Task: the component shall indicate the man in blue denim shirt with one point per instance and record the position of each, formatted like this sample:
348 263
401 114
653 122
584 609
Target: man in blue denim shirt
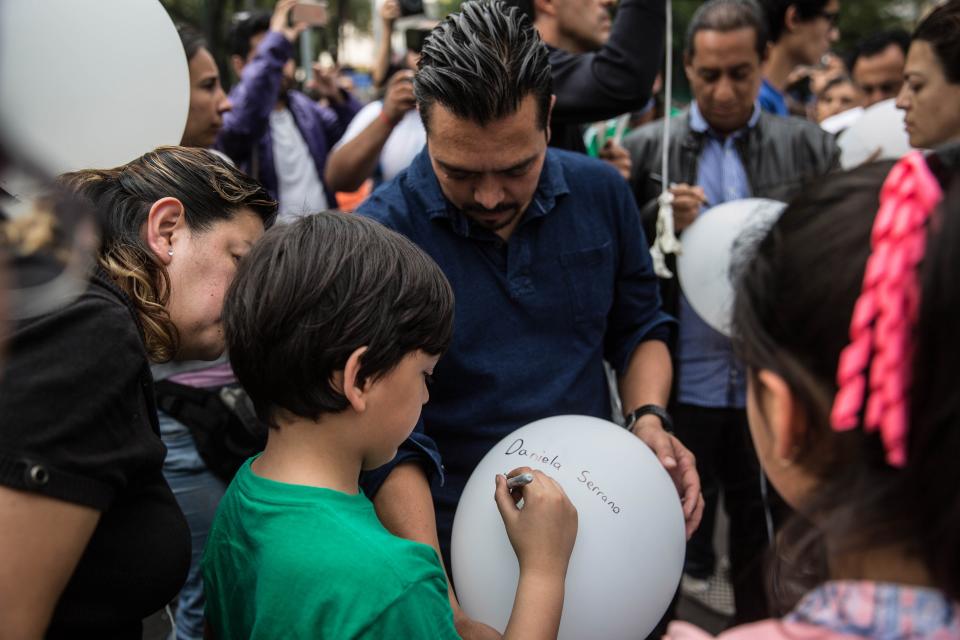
546 257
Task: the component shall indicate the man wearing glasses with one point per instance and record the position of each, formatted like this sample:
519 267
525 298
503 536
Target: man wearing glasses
800 33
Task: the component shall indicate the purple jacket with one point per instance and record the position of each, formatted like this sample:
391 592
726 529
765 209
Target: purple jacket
245 135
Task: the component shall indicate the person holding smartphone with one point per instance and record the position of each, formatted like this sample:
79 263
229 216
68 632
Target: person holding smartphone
385 137
275 133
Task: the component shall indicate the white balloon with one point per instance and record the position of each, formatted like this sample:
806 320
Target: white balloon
842 121
709 246
879 134
89 84
629 552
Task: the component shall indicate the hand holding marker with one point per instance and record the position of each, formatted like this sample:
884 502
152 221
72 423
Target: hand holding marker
518 481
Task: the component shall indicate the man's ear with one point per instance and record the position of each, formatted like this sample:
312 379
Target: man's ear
353 390
791 18
543 7
782 414
166 224
553 102
688 66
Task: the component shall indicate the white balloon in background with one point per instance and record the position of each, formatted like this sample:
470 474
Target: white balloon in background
709 246
879 134
628 556
842 121
89 84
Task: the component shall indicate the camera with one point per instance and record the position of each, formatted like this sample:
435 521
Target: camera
414 39
411 7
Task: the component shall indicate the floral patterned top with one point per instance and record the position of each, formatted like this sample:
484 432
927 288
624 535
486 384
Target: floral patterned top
853 610
880 611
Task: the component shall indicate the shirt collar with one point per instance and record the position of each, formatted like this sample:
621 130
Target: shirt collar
699 124
878 610
552 184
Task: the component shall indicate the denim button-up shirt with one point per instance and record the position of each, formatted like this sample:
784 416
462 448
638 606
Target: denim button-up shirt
536 316
708 374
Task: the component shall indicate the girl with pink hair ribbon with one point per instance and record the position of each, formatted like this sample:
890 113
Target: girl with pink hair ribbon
847 317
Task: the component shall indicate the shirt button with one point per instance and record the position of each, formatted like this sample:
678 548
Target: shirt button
37 475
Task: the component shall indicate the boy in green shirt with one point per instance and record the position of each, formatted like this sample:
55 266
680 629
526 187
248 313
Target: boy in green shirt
334 325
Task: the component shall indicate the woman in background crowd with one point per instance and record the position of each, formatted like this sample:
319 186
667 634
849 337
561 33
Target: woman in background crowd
837 96
208 102
931 91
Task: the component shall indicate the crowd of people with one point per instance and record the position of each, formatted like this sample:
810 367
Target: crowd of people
265 405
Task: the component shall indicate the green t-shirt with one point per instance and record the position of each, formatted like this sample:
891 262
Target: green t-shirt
292 561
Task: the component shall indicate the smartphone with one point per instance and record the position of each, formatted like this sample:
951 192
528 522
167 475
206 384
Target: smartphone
411 7
414 39
314 14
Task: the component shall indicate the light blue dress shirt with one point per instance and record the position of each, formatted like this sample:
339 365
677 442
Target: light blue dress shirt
708 373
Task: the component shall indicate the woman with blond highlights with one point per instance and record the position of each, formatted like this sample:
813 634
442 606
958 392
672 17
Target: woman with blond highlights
91 538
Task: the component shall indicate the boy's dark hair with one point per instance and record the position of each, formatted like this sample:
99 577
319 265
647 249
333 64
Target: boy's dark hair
481 63
941 30
877 43
776 13
310 293
244 26
728 15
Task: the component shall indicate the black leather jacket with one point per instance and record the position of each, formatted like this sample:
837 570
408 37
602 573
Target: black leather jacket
779 155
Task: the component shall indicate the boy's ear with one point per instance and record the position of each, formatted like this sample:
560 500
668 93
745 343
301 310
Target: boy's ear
353 390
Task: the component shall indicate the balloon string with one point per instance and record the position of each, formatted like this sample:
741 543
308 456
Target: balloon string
666 241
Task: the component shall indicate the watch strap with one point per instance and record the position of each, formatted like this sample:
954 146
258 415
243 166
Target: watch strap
650 409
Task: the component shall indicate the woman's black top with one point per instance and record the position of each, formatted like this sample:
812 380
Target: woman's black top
78 424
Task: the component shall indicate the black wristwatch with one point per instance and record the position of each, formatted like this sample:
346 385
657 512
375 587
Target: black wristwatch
646 409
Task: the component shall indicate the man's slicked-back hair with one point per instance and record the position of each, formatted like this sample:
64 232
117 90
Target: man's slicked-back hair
725 16
524 6
481 63
311 293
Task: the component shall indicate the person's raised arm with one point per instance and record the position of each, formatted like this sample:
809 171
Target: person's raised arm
356 159
258 89
389 12
542 534
619 77
41 542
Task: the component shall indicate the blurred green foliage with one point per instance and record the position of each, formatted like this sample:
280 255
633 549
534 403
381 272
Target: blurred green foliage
212 17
